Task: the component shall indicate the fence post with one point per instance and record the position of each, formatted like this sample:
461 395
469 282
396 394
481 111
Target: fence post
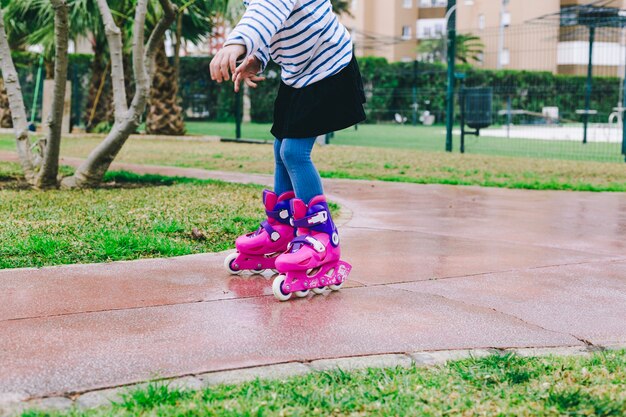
415 93
451 27
588 87
624 119
238 113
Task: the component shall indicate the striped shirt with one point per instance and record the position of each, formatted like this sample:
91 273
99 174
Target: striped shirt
304 37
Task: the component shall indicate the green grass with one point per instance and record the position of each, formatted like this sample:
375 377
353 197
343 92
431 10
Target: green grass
503 385
393 163
131 217
432 139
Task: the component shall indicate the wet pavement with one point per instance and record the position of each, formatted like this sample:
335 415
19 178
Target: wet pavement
435 267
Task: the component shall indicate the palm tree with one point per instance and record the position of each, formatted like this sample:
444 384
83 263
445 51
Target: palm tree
468 48
193 24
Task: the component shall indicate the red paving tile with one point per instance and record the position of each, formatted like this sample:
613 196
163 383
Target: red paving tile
383 257
588 300
590 222
113 286
85 351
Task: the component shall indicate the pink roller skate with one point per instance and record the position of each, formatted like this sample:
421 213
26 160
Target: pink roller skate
312 261
258 251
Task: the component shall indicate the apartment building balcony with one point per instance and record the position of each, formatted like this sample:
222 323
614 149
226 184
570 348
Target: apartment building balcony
432 9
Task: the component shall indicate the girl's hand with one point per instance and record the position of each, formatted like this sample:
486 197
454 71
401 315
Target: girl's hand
224 61
247 72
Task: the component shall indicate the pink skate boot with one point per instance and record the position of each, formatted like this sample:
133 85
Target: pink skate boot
258 251
312 261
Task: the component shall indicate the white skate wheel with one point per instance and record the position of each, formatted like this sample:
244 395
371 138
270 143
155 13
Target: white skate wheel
277 287
336 287
258 271
320 291
228 263
302 294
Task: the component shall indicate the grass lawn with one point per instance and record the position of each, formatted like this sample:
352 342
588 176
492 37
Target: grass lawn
131 217
432 139
363 162
494 386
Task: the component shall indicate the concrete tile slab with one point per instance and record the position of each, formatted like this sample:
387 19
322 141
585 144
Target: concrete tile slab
270 372
442 357
363 362
101 398
586 300
99 350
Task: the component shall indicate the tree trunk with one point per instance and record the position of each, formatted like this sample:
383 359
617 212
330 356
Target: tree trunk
100 98
5 111
165 115
50 165
92 170
16 104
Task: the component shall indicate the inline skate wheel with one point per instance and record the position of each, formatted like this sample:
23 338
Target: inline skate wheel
302 294
277 288
228 263
320 291
258 271
336 287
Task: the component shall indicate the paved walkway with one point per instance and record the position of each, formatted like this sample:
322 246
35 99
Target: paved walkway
435 267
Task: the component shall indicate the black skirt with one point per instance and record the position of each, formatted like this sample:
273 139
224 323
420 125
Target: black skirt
326 106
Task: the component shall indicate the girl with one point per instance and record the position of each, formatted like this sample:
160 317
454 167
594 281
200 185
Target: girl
321 91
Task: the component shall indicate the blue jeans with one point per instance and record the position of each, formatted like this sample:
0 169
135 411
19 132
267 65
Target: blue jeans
295 170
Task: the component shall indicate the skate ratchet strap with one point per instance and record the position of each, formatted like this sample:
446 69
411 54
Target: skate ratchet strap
318 218
280 215
308 241
273 234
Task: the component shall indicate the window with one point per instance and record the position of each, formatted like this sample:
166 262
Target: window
408 4
354 5
433 3
481 21
505 58
406 32
469 2
506 19
430 28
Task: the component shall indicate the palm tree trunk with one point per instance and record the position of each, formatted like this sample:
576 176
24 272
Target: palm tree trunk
165 115
99 100
5 111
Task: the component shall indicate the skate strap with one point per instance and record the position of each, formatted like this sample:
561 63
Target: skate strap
280 215
313 220
308 240
273 234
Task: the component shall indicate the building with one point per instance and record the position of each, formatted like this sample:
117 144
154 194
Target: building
516 34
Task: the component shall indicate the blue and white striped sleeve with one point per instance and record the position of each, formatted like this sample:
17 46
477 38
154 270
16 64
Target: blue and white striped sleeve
262 20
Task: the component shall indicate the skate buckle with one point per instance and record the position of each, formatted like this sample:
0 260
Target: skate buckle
320 217
284 214
275 236
317 245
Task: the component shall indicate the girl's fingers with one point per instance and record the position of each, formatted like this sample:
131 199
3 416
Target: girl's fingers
250 83
224 65
233 63
237 82
257 78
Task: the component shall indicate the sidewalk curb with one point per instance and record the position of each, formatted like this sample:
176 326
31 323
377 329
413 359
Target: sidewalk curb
12 404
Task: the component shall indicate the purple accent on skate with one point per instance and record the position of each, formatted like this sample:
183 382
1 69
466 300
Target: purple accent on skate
307 240
318 220
282 207
272 233
335 273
